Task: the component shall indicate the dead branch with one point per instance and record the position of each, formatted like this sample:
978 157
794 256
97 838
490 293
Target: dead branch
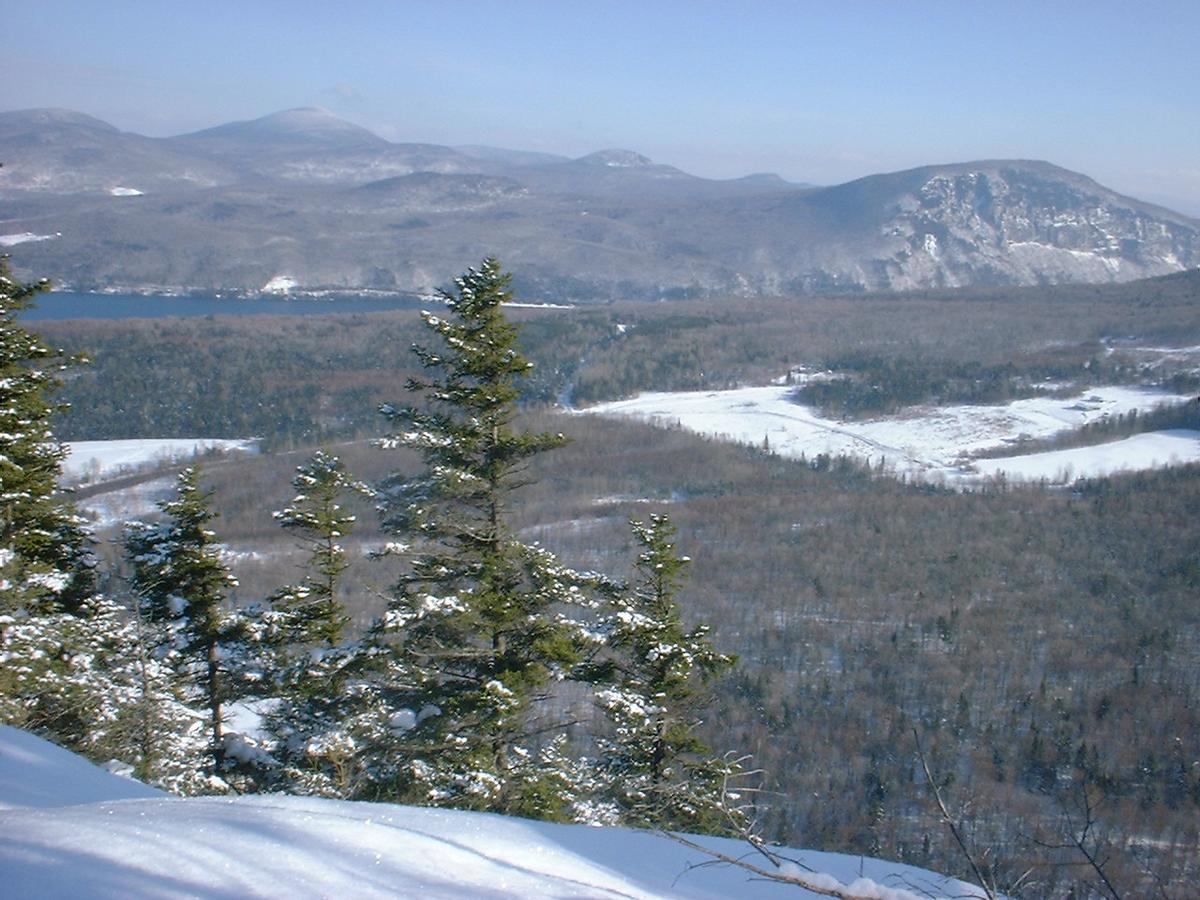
1077 839
782 877
784 870
949 822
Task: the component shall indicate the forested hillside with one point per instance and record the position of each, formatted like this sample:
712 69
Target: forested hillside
1042 643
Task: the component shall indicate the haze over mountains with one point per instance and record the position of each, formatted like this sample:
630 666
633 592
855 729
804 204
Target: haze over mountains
306 201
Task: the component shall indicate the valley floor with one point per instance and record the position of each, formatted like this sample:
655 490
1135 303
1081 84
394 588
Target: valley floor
931 443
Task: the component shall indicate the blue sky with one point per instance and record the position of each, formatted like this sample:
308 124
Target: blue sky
816 91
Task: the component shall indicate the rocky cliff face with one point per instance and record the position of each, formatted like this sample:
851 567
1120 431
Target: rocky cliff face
1028 223
985 223
302 198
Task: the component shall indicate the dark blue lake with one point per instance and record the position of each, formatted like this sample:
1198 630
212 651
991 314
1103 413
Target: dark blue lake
67 305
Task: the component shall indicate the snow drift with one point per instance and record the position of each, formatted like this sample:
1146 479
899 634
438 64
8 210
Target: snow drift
69 829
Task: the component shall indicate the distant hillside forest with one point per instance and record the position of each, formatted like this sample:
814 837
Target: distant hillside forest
1042 645
296 381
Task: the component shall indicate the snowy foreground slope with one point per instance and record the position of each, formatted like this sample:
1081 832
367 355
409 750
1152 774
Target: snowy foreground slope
69 829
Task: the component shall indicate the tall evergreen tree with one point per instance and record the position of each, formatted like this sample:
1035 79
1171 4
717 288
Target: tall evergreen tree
61 645
478 626
659 771
45 560
181 583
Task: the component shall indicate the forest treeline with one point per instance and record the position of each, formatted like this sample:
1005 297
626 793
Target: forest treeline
1043 644
864 385
297 381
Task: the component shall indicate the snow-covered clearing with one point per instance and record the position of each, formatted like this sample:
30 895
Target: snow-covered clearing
926 442
97 460
1153 450
137 501
69 829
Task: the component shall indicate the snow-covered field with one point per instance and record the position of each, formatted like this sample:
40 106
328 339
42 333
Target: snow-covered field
927 442
97 460
1153 450
70 829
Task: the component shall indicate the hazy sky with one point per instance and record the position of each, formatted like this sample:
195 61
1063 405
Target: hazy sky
816 91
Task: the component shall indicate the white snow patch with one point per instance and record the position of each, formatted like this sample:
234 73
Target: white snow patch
280 284
1151 450
127 840
925 442
115 508
125 192
245 717
618 499
26 237
232 557
1170 351
402 720
55 582
97 460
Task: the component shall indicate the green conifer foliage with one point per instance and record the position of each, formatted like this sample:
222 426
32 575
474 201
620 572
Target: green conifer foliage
45 562
660 773
313 721
480 625
59 641
181 584
314 613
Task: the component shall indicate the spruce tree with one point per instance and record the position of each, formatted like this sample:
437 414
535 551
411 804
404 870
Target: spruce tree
312 720
479 625
181 583
161 737
62 646
75 678
45 559
660 774
312 609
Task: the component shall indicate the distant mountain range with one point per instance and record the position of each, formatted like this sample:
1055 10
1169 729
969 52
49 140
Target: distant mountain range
304 201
